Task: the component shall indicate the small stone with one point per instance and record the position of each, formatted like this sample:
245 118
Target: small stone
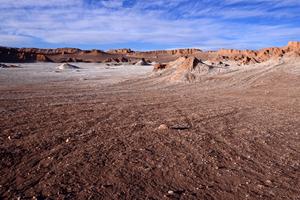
67 140
170 192
162 127
9 137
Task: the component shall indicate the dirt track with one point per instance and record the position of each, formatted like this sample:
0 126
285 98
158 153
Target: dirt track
223 141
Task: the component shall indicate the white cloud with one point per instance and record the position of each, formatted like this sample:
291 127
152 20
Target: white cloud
74 23
112 3
14 40
4 4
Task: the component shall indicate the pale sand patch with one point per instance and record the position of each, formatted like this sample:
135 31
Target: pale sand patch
98 73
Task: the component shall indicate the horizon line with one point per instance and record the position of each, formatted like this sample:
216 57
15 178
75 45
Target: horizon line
132 49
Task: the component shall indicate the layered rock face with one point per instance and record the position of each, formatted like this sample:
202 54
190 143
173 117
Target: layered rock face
295 46
120 51
42 58
52 55
49 51
167 52
32 54
14 55
78 55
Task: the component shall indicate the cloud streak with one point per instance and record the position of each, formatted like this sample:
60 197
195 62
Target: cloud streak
149 24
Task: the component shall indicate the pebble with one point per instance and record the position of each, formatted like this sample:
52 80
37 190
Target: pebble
170 192
162 127
268 181
260 186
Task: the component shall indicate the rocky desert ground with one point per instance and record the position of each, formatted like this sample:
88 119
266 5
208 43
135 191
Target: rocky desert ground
193 125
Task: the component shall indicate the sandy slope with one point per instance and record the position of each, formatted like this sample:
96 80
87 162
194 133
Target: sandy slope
228 136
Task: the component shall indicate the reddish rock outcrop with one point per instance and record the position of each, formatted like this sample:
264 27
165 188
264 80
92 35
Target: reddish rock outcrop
123 59
159 66
190 63
108 60
42 58
168 52
120 51
50 51
294 46
262 55
189 69
142 62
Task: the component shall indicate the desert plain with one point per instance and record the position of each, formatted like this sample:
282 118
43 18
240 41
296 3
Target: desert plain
185 125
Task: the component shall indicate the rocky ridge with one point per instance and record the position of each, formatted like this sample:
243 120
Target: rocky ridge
61 55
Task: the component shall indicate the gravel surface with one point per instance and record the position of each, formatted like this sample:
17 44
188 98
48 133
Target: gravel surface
230 136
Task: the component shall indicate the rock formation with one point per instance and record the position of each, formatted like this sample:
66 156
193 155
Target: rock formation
242 57
159 66
42 58
123 59
293 46
8 66
142 62
249 56
187 69
120 51
178 52
65 66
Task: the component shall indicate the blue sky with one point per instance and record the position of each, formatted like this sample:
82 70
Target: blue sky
149 24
